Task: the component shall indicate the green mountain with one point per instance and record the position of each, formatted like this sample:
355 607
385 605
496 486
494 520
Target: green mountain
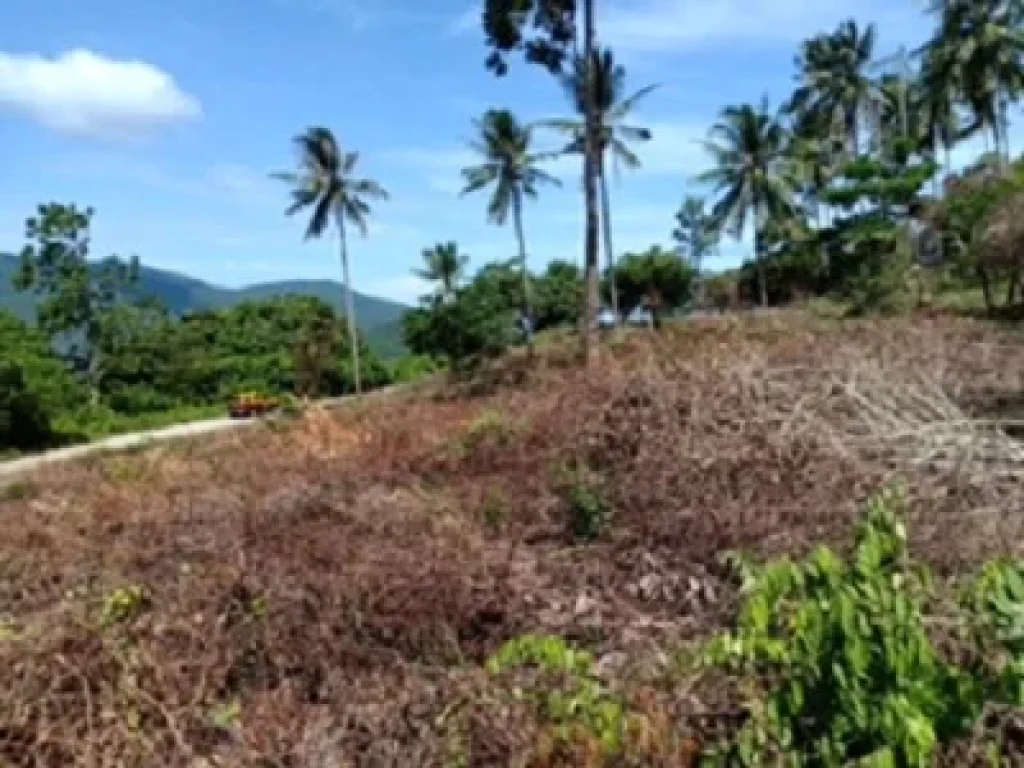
378 318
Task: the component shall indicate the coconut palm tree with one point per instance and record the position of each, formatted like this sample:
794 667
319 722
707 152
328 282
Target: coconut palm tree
324 183
549 32
979 47
445 266
941 122
614 134
836 85
511 168
751 174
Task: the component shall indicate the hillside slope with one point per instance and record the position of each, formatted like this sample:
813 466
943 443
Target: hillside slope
346 585
378 318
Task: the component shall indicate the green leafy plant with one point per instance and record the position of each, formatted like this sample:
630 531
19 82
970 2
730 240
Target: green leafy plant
494 510
226 715
123 605
845 669
567 693
995 605
589 511
491 429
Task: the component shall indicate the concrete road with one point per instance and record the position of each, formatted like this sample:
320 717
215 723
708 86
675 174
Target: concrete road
10 470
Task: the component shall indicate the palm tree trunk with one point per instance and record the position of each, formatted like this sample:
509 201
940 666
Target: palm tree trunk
517 215
591 295
986 289
762 278
759 257
1004 124
606 220
997 142
350 310
819 224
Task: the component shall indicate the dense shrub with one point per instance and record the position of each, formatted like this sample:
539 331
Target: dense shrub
36 386
24 422
974 217
845 658
476 324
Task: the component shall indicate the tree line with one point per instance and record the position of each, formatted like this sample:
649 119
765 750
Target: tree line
832 185
102 357
846 189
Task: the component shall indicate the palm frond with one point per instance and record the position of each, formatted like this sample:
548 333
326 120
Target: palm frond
478 177
321 217
355 211
500 204
626 107
368 188
562 125
623 154
634 133
301 198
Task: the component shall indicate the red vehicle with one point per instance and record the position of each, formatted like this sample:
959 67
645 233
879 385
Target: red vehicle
250 404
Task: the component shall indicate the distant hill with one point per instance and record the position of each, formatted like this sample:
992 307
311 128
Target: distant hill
378 318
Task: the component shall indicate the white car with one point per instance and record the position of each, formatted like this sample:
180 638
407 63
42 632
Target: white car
606 319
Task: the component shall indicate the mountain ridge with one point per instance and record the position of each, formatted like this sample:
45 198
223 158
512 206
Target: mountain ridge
378 318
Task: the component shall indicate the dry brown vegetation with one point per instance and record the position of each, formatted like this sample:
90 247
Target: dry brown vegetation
322 593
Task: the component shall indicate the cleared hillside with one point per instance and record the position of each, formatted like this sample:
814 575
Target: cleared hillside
327 593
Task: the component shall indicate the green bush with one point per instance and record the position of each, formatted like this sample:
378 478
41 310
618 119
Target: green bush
845 668
475 325
567 694
24 423
589 511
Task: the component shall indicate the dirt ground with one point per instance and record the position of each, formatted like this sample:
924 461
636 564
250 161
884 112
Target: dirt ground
324 592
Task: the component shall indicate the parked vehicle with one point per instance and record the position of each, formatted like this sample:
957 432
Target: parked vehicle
249 404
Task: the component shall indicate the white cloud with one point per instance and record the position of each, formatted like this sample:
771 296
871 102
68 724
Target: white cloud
673 25
88 94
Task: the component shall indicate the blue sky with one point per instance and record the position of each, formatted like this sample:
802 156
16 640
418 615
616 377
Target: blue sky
168 115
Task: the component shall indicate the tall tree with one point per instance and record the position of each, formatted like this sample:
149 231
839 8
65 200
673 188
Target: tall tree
509 166
942 124
695 234
76 295
978 44
545 30
613 108
445 267
836 88
324 183
751 174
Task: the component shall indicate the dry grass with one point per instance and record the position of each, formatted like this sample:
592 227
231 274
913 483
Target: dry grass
323 594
